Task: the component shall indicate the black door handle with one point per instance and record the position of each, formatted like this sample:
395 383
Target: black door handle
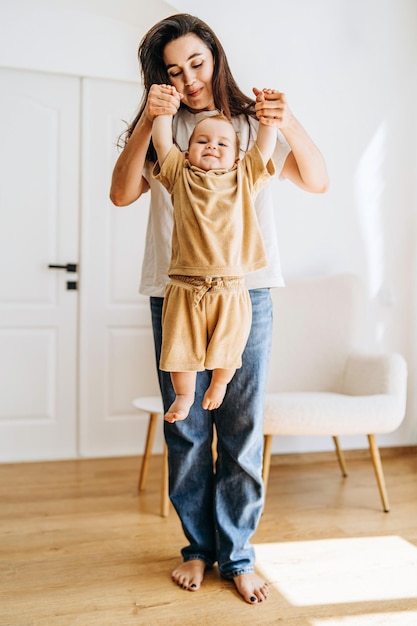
69 267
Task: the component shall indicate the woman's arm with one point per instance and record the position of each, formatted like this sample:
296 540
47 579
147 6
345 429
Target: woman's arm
128 183
305 165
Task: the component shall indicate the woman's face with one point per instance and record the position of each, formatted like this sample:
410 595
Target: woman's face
190 64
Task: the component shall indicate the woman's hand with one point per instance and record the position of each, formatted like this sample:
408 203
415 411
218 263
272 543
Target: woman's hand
162 100
271 107
304 165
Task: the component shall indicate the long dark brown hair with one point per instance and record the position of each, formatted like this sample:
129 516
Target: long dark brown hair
228 98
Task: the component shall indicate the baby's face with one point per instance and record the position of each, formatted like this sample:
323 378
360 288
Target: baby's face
213 145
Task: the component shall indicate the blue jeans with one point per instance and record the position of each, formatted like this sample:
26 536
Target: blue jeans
219 511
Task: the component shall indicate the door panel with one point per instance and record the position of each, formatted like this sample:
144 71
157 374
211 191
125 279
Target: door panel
39 165
116 348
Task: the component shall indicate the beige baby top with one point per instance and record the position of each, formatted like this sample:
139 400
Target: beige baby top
216 230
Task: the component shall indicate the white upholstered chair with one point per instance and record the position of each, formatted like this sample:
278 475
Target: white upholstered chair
320 382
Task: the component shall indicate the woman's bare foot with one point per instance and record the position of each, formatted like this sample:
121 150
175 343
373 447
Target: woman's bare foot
214 396
179 409
189 575
251 587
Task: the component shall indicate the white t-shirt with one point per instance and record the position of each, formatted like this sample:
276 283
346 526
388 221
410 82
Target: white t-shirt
160 222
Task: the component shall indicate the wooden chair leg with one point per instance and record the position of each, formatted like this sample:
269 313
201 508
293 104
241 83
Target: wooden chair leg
153 419
164 487
340 456
376 460
266 460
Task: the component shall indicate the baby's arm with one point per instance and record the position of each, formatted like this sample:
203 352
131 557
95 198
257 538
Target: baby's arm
162 129
162 136
267 133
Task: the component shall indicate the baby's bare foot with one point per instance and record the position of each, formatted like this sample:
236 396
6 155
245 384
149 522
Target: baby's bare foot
251 587
179 409
189 575
214 396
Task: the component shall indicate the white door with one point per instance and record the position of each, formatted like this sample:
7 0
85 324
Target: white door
39 206
117 360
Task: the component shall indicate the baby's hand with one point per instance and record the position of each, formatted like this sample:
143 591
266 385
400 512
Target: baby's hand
170 90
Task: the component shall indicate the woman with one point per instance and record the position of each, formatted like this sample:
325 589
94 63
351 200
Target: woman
219 511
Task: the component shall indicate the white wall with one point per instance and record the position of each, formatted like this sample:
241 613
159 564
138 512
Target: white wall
96 38
349 68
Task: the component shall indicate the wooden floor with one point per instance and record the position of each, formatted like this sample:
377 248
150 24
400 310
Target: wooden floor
79 547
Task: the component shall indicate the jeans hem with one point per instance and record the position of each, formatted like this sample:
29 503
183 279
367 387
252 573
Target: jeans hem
198 557
237 572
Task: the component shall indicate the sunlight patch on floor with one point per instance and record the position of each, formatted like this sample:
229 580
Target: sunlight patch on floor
334 571
376 619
